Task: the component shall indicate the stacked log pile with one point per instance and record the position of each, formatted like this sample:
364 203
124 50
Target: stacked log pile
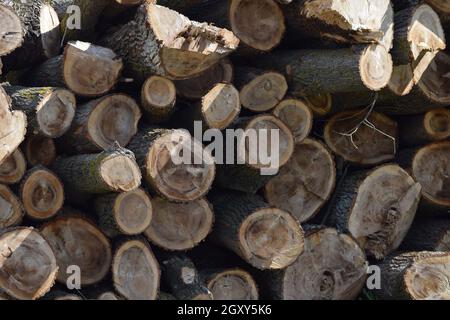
352 96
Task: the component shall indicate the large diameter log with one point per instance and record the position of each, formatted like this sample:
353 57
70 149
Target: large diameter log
333 267
86 69
11 211
76 241
163 42
114 170
28 265
158 99
415 276
174 164
101 122
378 226
428 235
12 33
49 111
265 237
135 271
297 116
305 183
13 168
39 150
179 226
128 213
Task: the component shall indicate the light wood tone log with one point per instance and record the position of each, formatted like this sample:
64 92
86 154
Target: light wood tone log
380 225
428 235
77 241
135 271
163 42
297 116
11 34
28 265
13 168
265 237
11 210
86 69
179 226
305 183
158 99
39 150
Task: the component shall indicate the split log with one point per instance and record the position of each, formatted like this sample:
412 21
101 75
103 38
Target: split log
179 226
11 211
39 150
28 265
415 276
378 226
175 166
114 170
297 116
230 284
100 123
265 237
172 45
77 242
362 137
127 213
86 69
333 267
42 193
158 99
305 183
12 33
49 111
13 168
428 235
135 271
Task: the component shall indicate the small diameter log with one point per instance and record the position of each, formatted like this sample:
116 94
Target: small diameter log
197 87
11 31
49 111
40 29
13 168
417 130
311 72
86 69
320 104
114 170
362 137
163 42
42 193
265 237
428 235
230 284
305 183
127 213
179 226
297 116
39 150
174 164
100 123
380 225
181 276
158 99
76 241
415 276
260 90
11 211
28 265
333 267
135 271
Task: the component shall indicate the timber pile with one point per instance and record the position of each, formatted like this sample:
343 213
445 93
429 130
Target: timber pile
91 117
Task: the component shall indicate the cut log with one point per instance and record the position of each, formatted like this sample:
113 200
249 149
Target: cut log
39 150
265 237
442 7
77 242
197 87
428 235
297 116
179 226
128 213
305 183
13 168
100 123
320 104
333 267
108 295
415 276
158 99
40 29
28 265
179 178
42 193
11 212
362 137
114 170
230 284
86 69
163 42
12 33
260 90
378 226
135 271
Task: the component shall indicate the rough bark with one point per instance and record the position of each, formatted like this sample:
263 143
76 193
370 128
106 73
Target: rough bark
428 234
13 168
